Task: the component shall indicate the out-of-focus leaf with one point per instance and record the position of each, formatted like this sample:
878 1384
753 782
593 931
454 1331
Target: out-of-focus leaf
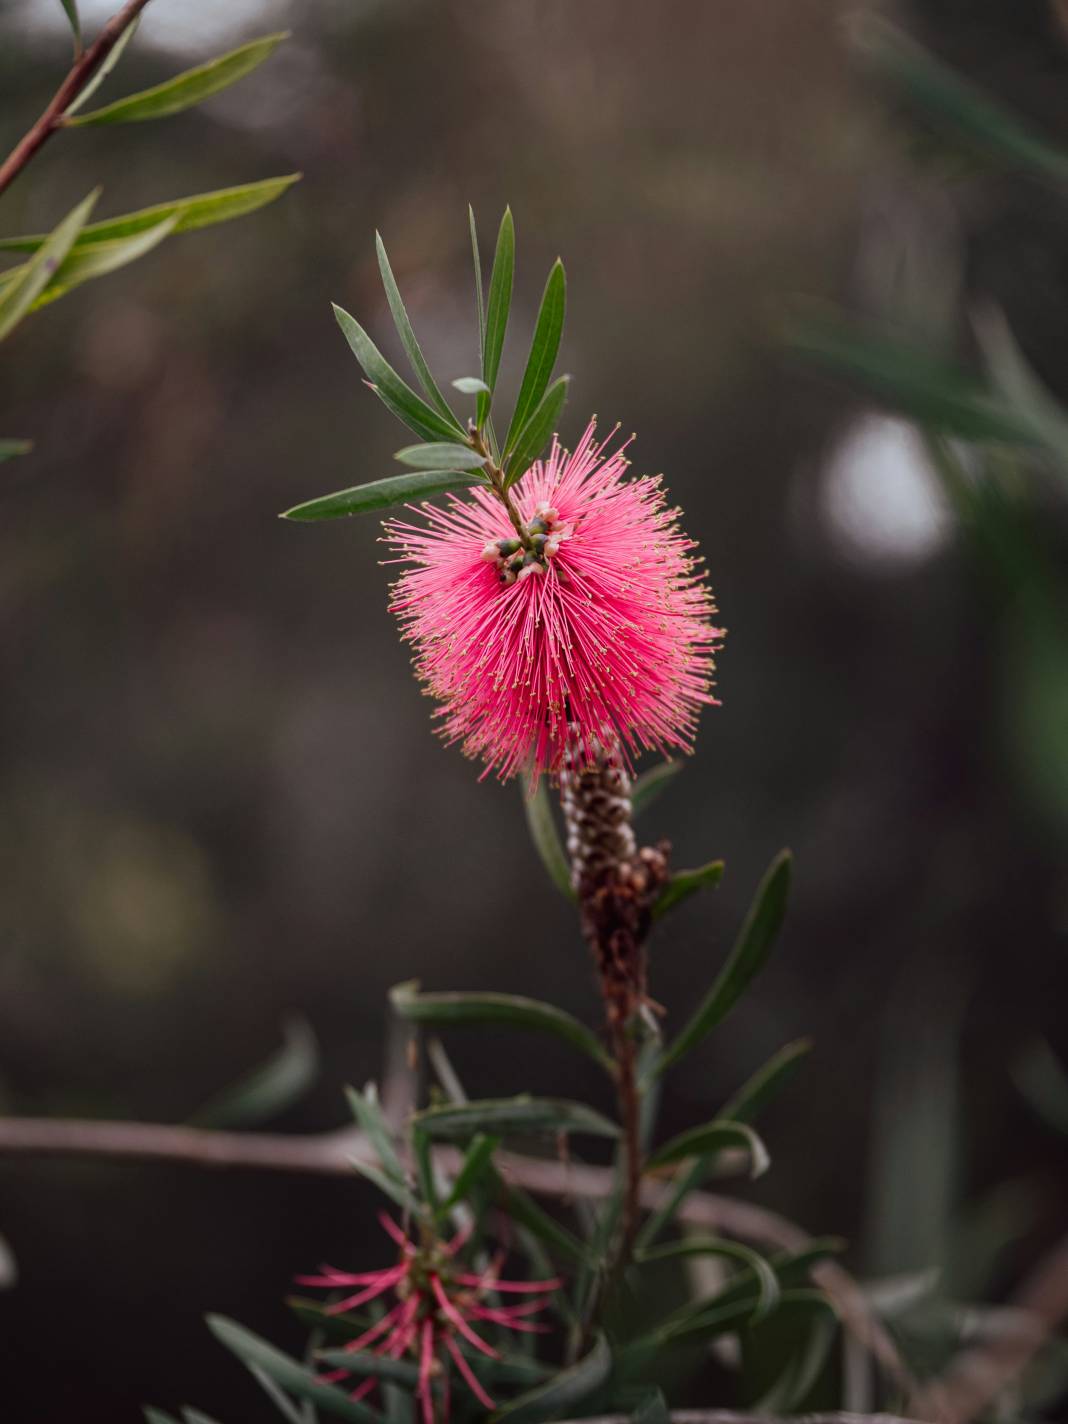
440 457
477 1160
190 87
525 1211
498 304
104 68
19 295
558 1396
367 1111
538 807
765 1082
701 1320
954 105
199 210
713 1137
483 1007
407 334
70 9
194 1416
746 960
767 1282
157 1416
653 1409
543 350
82 265
272 1087
649 785
782 1358
537 432
10 448
523 1114
363 1362
251 1350
290 1411
381 494
470 385
929 390
684 883
394 393
389 1186
1017 382
1043 1080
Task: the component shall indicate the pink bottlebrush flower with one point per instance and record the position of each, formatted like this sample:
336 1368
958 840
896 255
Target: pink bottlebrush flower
598 635
436 1302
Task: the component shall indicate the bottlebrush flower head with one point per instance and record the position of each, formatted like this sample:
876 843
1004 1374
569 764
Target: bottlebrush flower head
436 1305
593 632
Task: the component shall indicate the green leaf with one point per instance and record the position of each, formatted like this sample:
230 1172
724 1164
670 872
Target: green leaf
362 1362
10 448
684 883
381 494
407 335
477 1159
927 389
497 307
105 67
19 295
537 432
70 9
470 385
478 295
83 264
387 1185
653 1409
289 1410
956 106
269 1089
390 389
194 1416
649 785
524 1114
190 87
525 1211
713 1137
157 1416
1014 379
199 210
492 1008
765 1082
368 1113
251 1350
556 1398
543 351
440 457
767 1282
746 960
546 837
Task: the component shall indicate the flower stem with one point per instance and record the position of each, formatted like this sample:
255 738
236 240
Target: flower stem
496 477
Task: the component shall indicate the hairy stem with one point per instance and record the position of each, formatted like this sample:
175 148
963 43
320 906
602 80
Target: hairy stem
81 71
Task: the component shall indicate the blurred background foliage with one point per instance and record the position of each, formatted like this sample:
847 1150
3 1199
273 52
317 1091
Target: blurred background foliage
220 798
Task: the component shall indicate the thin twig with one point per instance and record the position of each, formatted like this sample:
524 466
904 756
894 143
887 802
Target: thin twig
79 74
331 1154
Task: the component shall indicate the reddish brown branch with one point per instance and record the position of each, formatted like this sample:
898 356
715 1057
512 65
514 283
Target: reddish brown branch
81 71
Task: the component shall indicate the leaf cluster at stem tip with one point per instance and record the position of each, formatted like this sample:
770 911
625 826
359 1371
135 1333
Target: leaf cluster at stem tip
454 451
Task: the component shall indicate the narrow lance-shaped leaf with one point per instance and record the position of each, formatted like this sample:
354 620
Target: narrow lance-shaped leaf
765 1082
546 838
407 334
651 783
10 448
505 1116
538 430
270 1088
190 87
684 883
498 304
484 1007
381 494
558 1396
104 68
746 960
251 1350
477 260
713 1137
476 1163
444 456
767 1282
158 1416
19 295
543 350
70 9
388 386
100 259
364 1363
368 1113
199 210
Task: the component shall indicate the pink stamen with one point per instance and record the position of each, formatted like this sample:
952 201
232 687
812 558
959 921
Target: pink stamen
455 1318
470 1378
385 1280
484 1283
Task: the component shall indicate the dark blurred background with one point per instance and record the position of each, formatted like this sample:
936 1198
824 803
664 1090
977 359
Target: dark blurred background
221 800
